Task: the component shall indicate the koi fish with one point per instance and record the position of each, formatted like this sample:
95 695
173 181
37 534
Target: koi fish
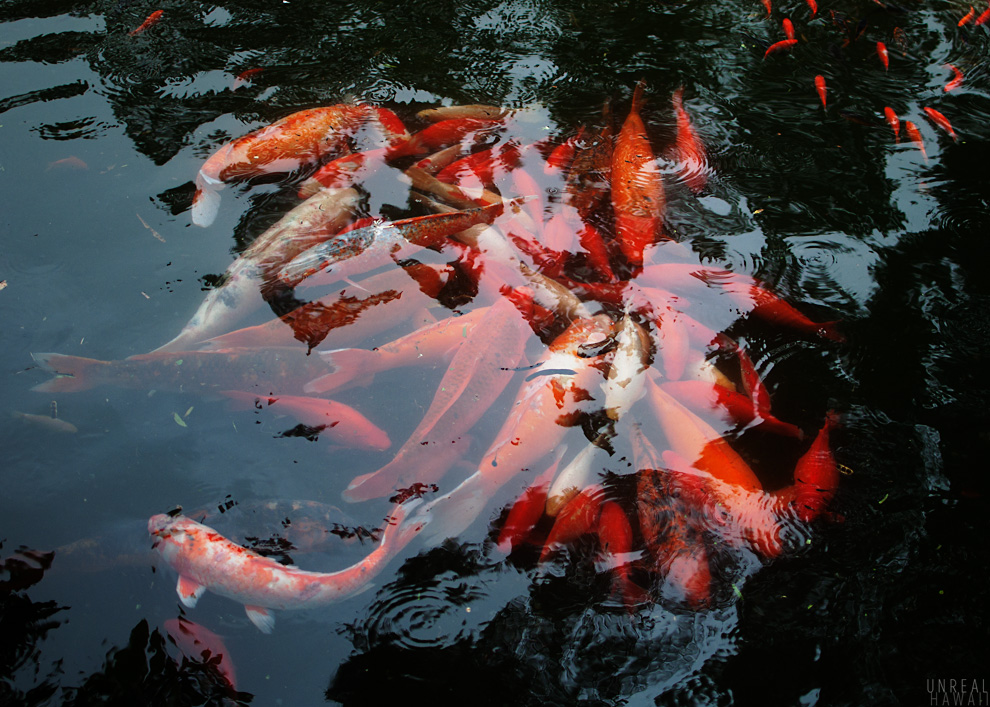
984 16
690 150
574 477
882 53
814 7
940 120
637 187
442 134
779 47
956 80
820 87
341 423
705 396
474 112
893 122
366 248
244 77
589 178
151 20
205 560
767 4
576 518
816 476
527 510
201 645
912 131
623 385
788 28
968 16
284 146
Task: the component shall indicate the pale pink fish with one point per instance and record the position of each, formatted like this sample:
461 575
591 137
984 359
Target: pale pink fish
205 560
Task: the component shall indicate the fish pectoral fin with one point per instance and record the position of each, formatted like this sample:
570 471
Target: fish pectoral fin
261 617
189 591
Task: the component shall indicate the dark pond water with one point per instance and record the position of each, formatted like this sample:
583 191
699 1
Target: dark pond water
101 135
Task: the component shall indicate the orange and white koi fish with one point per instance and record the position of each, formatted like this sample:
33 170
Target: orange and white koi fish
637 187
940 120
284 146
151 20
205 560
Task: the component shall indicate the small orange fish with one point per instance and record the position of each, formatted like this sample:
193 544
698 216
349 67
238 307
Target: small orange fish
882 53
67 163
768 6
968 16
245 77
814 7
940 120
152 19
779 46
820 87
788 28
956 80
893 122
912 131
984 16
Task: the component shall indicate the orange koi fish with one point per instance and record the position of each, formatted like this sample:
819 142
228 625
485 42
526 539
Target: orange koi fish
968 16
940 120
244 77
768 6
343 172
882 53
788 28
984 16
893 122
912 132
341 423
820 87
201 645
615 536
443 134
476 377
768 306
814 7
527 509
284 146
205 560
576 518
816 476
560 158
704 396
637 188
956 80
152 20
690 151
473 112
779 46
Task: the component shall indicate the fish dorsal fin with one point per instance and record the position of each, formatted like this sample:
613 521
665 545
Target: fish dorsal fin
261 617
189 591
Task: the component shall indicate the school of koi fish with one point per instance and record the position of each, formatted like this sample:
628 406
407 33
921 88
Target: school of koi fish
559 282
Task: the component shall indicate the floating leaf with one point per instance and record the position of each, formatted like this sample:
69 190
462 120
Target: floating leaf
178 420
188 411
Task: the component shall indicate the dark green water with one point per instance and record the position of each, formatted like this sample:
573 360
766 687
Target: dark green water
101 134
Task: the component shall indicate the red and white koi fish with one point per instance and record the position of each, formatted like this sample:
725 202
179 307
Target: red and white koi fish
201 645
882 53
284 146
205 560
689 149
341 423
637 187
940 120
151 20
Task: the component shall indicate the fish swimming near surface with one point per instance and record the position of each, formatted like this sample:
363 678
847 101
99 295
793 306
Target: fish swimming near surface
205 560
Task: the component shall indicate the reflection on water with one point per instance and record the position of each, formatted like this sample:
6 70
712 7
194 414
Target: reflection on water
823 205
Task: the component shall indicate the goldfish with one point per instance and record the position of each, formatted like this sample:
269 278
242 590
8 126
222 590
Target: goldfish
207 561
788 28
813 6
893 121
151 20
984 16
779 46
340 423
689 148
703 396
442 134
816 476
767 4
956 80
968 16
882 53
245 77
912 131
473 112
576 518
527 509
820 87
637 188
940 120
287 144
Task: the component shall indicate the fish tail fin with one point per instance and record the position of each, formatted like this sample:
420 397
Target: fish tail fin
637 99
351 367
73 373
206 200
